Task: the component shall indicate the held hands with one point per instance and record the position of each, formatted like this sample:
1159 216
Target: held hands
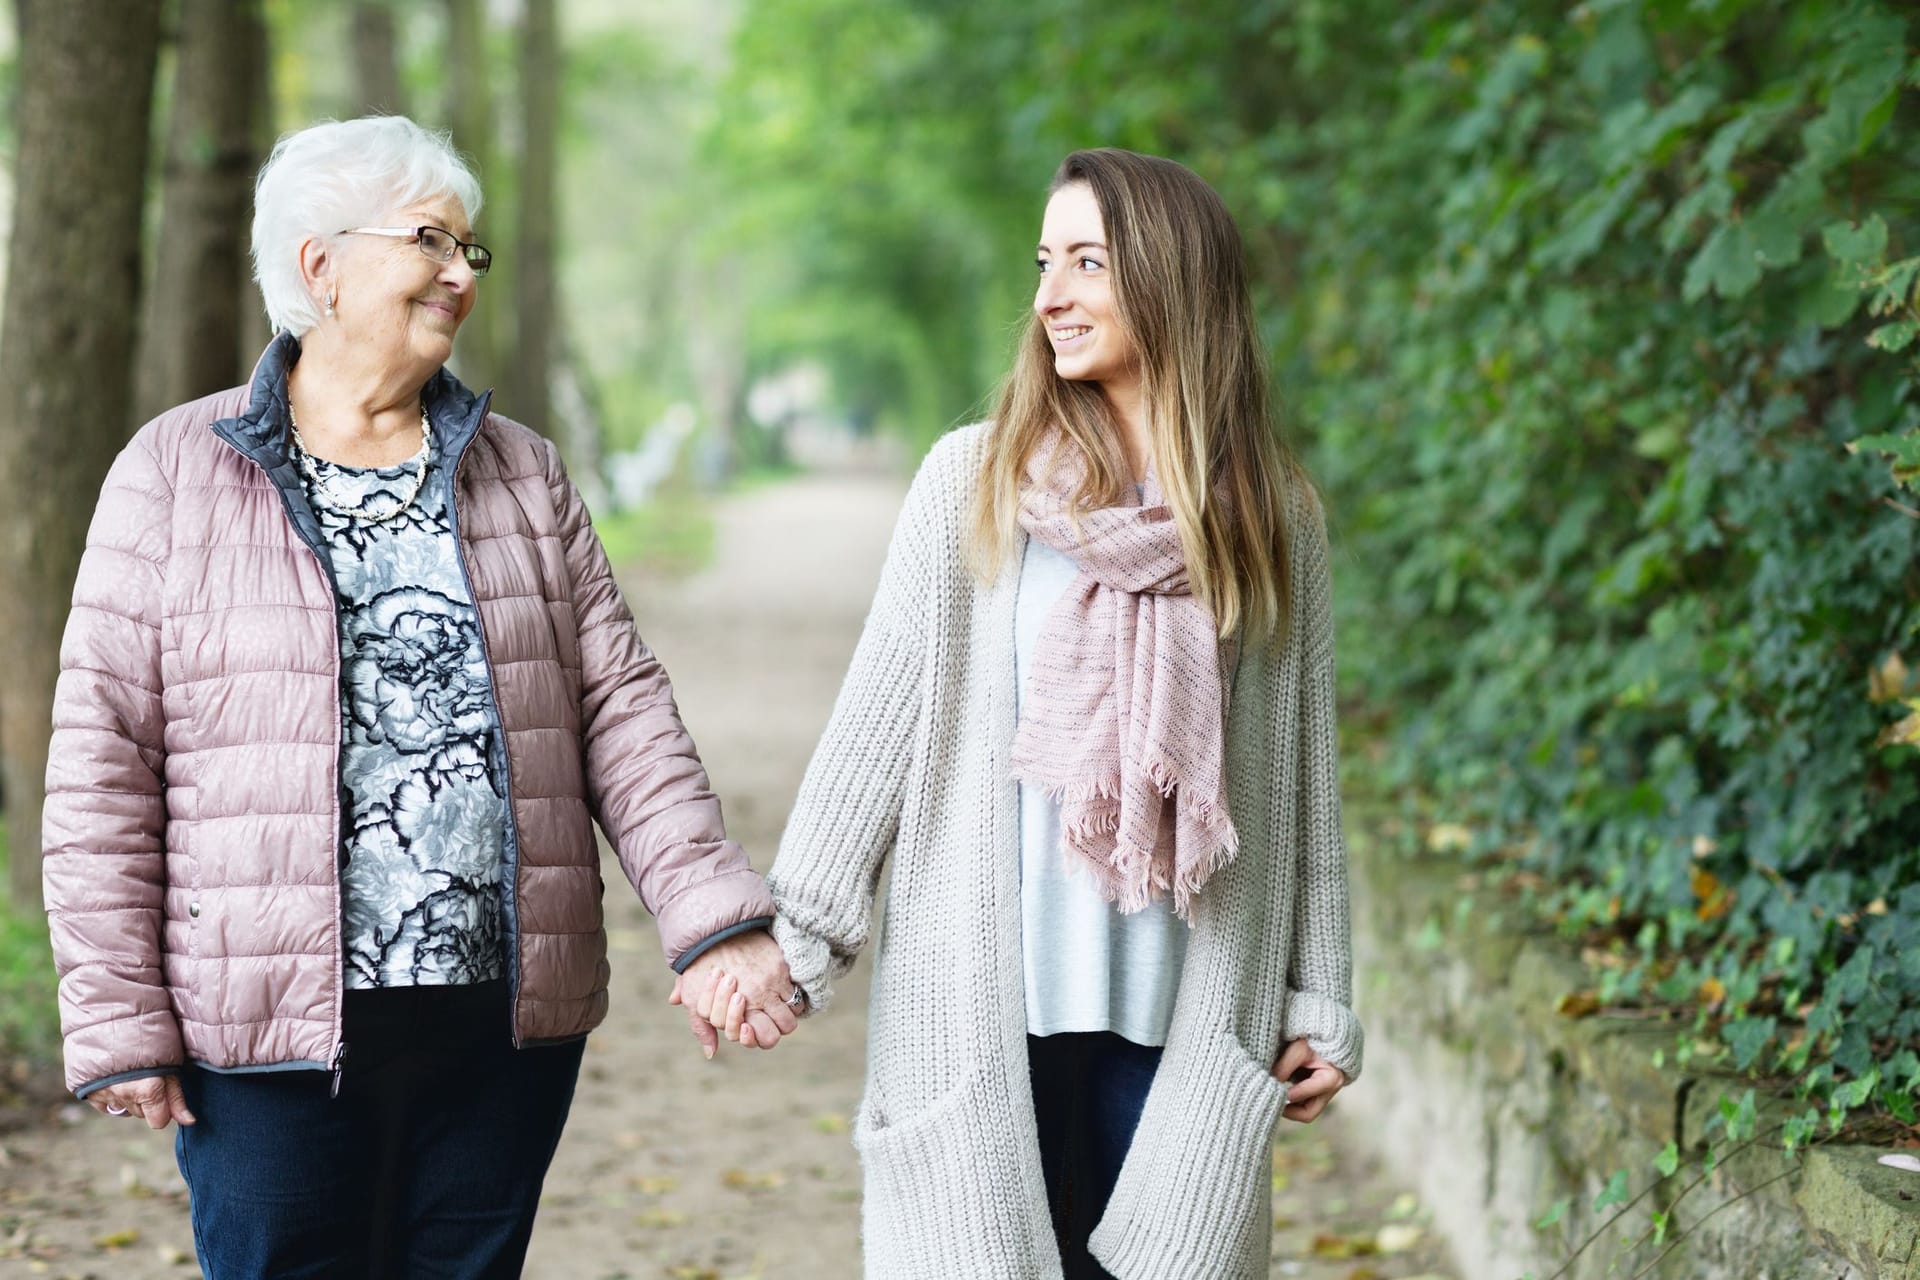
156 1099
1310 1079
740 986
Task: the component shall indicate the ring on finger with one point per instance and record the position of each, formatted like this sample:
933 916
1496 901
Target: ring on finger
115 1111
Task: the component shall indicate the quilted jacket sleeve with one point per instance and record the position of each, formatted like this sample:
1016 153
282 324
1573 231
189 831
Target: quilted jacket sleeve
103 830
648 788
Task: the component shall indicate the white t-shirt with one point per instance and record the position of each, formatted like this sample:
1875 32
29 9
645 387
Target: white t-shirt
1088 968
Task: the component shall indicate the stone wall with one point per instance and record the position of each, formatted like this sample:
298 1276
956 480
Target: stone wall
1493 1107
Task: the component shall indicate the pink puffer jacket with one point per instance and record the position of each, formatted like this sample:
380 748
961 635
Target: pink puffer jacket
192 822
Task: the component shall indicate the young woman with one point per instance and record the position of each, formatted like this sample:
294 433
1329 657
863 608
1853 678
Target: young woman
1091 718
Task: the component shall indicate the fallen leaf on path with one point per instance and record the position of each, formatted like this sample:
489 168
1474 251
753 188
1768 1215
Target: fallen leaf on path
830 1122
661 1217
173 1255
117 1239
1404 1205
745 1180
654 1184
694 1273
1397 1237
1364 1273
1329 1245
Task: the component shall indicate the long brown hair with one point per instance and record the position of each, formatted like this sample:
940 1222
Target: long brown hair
1180 288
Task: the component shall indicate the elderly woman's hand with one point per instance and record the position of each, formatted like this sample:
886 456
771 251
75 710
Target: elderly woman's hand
741 986
156 1099
1310 1079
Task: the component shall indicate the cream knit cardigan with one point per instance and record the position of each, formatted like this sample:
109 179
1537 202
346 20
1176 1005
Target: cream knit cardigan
914 763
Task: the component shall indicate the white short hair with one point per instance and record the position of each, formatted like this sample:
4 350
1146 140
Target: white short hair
338 174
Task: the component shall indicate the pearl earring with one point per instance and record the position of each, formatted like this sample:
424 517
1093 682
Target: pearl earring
329 302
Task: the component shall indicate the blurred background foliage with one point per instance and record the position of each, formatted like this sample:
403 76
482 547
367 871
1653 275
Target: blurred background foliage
1595 322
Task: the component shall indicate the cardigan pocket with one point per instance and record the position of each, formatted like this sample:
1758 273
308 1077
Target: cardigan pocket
1236 1122
1199 1191
930 1204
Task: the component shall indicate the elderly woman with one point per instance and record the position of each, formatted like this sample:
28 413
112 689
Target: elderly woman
346 682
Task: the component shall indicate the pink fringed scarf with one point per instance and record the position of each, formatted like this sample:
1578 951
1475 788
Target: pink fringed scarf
1123 722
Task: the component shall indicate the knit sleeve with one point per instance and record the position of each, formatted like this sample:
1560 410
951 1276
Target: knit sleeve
845 818
1320 968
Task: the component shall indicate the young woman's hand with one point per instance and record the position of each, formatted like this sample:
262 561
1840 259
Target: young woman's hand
1310 1079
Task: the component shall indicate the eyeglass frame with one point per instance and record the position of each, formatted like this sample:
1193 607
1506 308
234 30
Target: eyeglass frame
415 233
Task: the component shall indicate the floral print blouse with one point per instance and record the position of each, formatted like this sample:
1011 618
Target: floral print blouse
424 817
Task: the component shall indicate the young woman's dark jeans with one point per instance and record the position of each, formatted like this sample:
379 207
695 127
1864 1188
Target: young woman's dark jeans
427 1164
1088 1091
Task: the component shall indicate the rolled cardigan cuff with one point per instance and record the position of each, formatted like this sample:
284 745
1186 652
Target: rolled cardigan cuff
1329 1026
121 1077
809 960
713 940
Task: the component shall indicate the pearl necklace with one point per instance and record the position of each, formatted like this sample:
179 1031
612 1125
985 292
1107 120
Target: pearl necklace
323 485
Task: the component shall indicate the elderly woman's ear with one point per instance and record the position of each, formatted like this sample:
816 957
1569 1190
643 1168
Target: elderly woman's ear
318 272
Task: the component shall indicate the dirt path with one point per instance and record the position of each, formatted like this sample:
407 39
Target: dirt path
674 1168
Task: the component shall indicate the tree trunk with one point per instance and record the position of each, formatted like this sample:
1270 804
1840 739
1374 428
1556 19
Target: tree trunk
578 420
469 114
255 329
717 356
85 100
534 299
376 59
190 343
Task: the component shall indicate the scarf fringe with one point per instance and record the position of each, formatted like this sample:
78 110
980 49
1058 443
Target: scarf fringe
1125 874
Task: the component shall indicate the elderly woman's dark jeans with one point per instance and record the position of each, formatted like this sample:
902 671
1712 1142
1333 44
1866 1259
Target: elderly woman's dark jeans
428 1164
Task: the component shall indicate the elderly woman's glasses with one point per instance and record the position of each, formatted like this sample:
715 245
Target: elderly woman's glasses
436 242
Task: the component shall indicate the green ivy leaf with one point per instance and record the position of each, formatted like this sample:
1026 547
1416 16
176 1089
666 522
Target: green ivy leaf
1728 264
1897 336
1555 1213
1747 1037
1614 1193
1856 244
1668 1160
1741 1116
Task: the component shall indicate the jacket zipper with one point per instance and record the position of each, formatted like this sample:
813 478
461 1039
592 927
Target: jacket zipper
339 1066
320 561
